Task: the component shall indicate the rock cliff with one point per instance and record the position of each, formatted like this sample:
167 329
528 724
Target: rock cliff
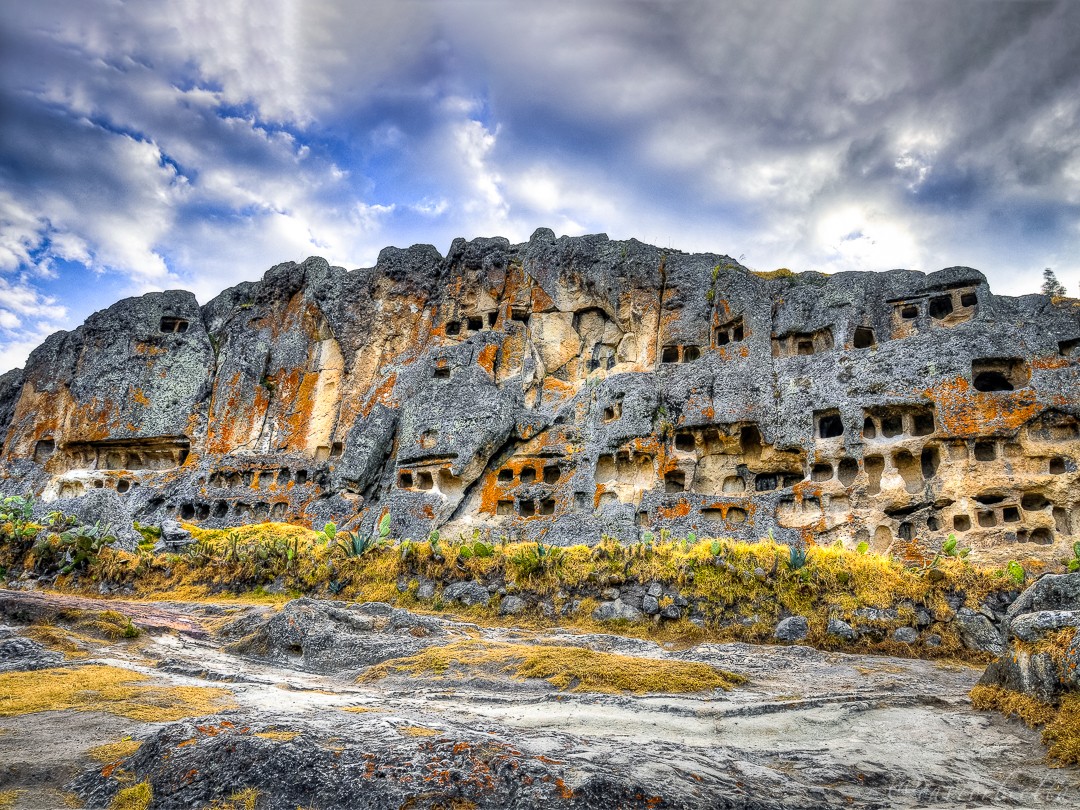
566 388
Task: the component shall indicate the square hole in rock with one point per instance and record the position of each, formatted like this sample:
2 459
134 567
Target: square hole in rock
528 475
675 481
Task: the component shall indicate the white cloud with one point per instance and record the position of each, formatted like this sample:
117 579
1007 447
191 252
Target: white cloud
196 144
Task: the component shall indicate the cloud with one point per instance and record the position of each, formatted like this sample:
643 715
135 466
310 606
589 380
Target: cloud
195 144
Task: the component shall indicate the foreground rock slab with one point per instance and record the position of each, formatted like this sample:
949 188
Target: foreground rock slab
808 730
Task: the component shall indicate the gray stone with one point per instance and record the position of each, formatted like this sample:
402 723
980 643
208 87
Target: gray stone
1033 626
655 589
978 633
324 636
617 610
174 537
840 629
18 653
671 612
932 640
1049 592
101 507
426 589
466 593
650 605
793 628
512 606
906 635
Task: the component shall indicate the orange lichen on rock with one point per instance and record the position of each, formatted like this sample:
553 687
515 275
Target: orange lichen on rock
968 413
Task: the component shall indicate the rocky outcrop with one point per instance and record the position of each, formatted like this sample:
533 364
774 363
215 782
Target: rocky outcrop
329 637
1041 641
566 388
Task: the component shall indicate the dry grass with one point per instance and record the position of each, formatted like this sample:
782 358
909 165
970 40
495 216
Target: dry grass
245 799
1061 724
1062 734
418 731
718 575
107 624
114 752
1033 712
136 797
105 689
56 638
574 668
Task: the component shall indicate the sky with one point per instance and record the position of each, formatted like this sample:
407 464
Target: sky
194 144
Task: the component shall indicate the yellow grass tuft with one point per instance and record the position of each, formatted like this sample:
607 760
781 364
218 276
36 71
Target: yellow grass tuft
1012 704
417 731
105 689
136 797
245 799
1061 724
56 638
114 752
1062 734
575 668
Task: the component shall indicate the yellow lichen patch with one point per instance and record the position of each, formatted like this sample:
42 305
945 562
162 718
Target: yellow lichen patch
114 752
136 797
105 689
7 799
417 731
278 736
575 668
358 709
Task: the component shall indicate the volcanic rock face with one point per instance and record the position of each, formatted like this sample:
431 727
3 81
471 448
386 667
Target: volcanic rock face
566 388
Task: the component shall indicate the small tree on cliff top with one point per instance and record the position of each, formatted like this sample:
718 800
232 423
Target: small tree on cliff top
1051 286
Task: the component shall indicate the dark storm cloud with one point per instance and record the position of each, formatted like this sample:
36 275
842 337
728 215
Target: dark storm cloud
195 143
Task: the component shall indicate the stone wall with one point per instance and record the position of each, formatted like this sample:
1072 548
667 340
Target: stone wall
566 388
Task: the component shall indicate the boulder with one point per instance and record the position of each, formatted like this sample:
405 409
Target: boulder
793 628
466 593
19 653
512 606
616 610
978 633
1036 663
174 537
906 635
840 629
1033 626
324 636
1049 592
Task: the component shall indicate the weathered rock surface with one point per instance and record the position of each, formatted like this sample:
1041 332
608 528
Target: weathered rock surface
564 388
18 653
809 730
325 637
1042 671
